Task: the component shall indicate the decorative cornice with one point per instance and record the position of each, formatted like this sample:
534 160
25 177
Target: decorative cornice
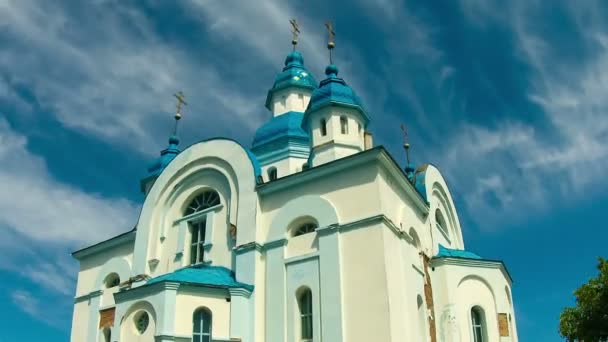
88 296
244 248
275 243
239 292
481 263
300 258
378 154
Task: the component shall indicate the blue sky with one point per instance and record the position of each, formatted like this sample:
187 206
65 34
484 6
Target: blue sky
508 99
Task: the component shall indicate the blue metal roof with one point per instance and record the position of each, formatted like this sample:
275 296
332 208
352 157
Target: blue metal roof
284 125
166 156
455 253
294 74
210 276
334 91
419 180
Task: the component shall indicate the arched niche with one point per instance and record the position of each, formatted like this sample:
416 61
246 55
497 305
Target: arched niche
310 207
128 326
222 155
118 265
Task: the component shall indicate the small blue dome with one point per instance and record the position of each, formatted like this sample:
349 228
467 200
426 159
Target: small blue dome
166 156
294 74
334 91
288 125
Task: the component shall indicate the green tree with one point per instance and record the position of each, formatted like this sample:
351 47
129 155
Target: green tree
588 320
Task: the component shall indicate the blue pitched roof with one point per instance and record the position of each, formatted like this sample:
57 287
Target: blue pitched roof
334 91
455 253
210 276
284 125
294 74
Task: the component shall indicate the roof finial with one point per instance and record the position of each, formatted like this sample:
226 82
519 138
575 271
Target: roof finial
295 31
331 37
178 113
406 143
409 168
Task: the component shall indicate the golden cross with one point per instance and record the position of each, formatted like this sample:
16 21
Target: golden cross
331 35
295 31
180 101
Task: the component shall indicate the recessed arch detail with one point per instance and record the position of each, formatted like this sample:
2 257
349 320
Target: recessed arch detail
316 207
117 265
222 155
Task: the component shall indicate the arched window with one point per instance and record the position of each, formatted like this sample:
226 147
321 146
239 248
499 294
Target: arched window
142 320
440 222
272 173
197 244
478 324
206 199
305 228
344 125
323 127
112 280
305 307
201 326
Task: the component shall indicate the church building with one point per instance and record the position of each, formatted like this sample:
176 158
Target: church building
310 234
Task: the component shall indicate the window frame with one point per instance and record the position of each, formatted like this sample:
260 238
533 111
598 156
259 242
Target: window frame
305 228
323 125
205 316
305 302
202 202
343 124
197 246
478 329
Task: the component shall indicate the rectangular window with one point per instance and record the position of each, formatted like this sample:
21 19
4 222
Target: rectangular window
198 240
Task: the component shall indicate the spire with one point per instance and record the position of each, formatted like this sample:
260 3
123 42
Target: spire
294 75
295 31
169 153
409 168
331 39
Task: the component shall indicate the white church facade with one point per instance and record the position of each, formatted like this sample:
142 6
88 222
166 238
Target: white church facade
312 234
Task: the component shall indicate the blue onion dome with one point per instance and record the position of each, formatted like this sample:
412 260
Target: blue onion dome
166 156
284 126
294 74
332 91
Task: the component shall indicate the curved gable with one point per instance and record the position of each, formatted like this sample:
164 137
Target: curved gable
229 163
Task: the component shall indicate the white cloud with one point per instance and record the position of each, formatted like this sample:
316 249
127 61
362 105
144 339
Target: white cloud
42 219
504 171
43 209
101 68
26 302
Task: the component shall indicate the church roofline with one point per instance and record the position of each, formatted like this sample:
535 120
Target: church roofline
484 263
257 168
378 153
105 244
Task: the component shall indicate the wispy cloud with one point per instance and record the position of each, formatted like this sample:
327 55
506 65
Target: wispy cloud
504 170
26 302
43 219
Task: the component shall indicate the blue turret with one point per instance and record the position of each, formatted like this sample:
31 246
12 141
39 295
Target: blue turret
166 156
280 144
292 87
335 119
